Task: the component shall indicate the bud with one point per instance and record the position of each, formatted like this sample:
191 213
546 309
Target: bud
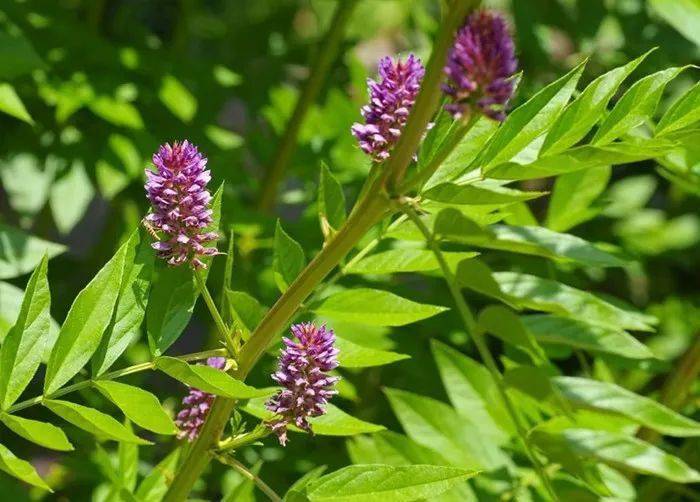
480 67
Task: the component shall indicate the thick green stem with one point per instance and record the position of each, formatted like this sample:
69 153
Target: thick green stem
113 375
370 210
480 343
224 331
319 69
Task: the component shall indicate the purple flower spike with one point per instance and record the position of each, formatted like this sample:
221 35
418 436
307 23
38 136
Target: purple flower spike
196 407
391 100
303 374
178 193
480 66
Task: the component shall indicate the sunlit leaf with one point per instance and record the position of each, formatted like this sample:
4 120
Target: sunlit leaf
375 307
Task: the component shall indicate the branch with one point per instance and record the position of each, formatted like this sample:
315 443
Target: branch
327 52
113 375
476 334
264 487
371 208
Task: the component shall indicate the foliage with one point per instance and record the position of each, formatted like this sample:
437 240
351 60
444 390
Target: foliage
519 319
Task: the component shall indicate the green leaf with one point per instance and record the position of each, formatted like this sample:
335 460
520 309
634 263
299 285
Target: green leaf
41 433
28 340
95 422
472 391
20 469
70 197
582 335
391 448
331 199
375 308
586 110
156 483
377 482
140 406
504 324
288 260
551 296
451 224
177 98
483 194
436 425
85 323
174 293
683 15
246 311
208 379
11 104
638 104
223 138
17 56
573 195
684 112
404 260
476 275
584 157
463 155
530 120
619 450
21 253
297 492
356 356
539 241
119 113
124 327
334 423
613 398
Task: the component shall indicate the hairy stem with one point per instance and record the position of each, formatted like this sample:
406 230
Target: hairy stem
264 487
224 331
112 375
478 337
319 69
371 208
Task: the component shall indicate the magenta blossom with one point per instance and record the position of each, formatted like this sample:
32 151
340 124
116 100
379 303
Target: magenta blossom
178 193
303 370
480 67
391 100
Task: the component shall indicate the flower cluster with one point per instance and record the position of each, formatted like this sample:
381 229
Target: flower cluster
480 66
178 193
303 374
196 407
391 100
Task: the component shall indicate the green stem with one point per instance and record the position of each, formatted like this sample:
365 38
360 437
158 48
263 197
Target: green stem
369 210
319 69
677 385
429 96
448 146
236 442
113 375
264 487
480 343
220 324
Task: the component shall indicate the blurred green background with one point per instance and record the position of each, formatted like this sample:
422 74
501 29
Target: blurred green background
90 88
